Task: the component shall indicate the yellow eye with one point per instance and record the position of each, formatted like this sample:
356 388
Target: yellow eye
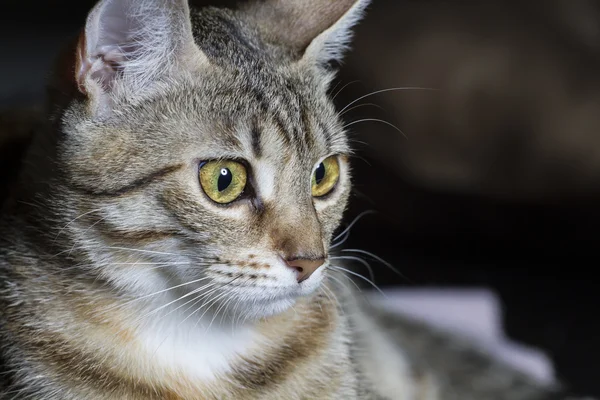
325 176
223 181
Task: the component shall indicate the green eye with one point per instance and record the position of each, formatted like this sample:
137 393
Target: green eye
223 181
325 177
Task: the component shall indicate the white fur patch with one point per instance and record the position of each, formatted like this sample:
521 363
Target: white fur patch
265 179
191 350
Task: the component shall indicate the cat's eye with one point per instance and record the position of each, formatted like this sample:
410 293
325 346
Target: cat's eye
325 176
223 181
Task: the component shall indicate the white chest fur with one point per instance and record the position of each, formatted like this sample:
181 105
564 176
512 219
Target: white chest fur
174 346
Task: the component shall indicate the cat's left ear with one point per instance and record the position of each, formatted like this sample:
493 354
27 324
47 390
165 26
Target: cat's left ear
315 30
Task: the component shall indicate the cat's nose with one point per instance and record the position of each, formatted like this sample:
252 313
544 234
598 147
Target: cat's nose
305 268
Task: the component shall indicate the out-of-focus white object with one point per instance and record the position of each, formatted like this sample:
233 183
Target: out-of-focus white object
474 313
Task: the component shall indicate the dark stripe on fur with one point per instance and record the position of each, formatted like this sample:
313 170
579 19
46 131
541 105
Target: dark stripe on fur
256 144
281 362
266 109
133 186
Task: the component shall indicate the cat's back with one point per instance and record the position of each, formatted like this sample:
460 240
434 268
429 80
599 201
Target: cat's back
403 355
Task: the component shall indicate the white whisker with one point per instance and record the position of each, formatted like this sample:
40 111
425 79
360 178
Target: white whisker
84 232
75 219
359 276
141 251
357 259
383 91
353 223
375 120
154 294
381 260
342 283
195 301
221 307
343 87
213 302
342 241
331 295
359 106
193 292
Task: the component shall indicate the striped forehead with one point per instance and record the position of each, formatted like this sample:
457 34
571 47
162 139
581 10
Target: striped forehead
265 123
285 139
290 121
279 159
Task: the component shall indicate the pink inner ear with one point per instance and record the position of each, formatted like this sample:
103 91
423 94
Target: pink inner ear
101 66
109 60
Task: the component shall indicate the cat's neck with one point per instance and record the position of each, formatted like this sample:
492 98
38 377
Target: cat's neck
200 354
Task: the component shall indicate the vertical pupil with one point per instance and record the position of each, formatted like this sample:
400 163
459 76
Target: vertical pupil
320 173
225 178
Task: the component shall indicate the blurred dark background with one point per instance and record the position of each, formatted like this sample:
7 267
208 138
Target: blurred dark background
496 182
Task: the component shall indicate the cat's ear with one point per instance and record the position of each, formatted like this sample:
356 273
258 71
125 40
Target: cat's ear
128 45
316 30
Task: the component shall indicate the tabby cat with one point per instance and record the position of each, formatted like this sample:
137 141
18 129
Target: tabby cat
169 237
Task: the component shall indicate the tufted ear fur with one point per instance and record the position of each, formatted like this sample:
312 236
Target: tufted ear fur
128 45
316 30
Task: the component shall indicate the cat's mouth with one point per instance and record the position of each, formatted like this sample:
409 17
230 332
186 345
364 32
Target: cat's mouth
283 295
265 291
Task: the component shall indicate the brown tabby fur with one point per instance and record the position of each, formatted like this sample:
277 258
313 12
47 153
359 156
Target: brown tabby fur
109 229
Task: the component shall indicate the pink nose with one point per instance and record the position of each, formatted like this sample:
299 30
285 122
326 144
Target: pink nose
305 268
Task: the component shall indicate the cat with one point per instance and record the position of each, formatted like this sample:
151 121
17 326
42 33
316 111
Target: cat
169 236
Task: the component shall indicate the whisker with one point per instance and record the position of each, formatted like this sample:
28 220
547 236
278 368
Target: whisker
336 85
199 290
209 306
353 223
375 120
343 87
211 302
363 144
221 307
381 260
359 276
118 248
157 264
357 259
333 297
75 219
154 294
197 300
383 91
359 106
342 283
84 232
156 310
234 315
151 263
342 241
141 251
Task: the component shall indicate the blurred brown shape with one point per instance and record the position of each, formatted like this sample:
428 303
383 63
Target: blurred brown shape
516 109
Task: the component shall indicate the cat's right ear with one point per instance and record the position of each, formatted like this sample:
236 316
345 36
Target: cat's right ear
129 45
316 31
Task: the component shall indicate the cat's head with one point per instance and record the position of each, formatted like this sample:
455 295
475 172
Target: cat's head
203 153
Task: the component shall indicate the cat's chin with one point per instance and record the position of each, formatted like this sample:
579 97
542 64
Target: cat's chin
260 307
271 308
